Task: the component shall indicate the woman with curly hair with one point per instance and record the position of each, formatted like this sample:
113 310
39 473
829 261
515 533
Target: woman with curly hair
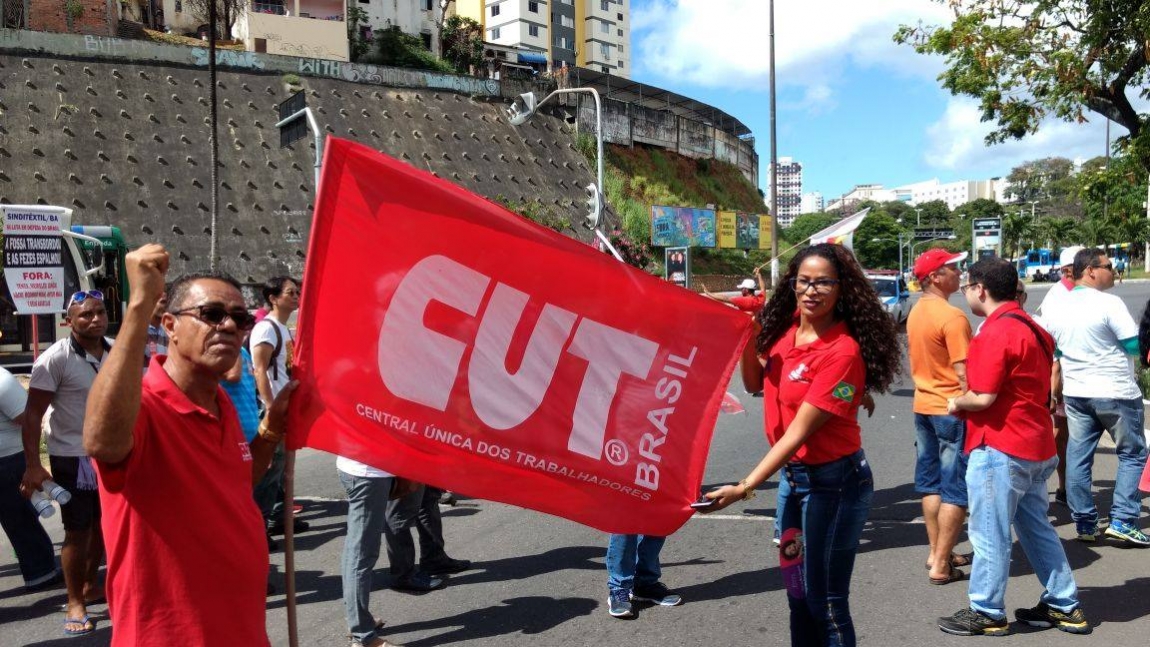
824 344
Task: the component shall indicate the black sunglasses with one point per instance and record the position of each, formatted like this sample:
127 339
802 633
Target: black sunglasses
216 315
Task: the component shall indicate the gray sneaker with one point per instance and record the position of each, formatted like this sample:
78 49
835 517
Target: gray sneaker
619 604
656 593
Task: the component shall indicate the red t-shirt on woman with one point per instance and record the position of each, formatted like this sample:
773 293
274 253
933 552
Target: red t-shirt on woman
827 373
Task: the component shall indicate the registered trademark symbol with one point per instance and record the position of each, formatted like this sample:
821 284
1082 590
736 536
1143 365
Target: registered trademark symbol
616 452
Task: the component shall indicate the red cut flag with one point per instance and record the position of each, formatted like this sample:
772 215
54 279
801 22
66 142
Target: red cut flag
447 340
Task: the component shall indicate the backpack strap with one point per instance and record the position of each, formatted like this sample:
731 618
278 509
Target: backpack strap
1034 329
276 350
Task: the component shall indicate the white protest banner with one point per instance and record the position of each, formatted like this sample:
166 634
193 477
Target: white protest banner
33 256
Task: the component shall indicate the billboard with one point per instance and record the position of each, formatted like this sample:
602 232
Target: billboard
738 230
682 227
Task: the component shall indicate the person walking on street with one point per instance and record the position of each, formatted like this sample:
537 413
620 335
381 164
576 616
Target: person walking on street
1050 304
633 573
418 509
61 379
938 335
272 347
21 523
1096 337
824 343
1010 445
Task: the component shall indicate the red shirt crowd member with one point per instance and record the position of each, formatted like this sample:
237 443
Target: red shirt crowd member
1011 446
825 341
187 557
748 300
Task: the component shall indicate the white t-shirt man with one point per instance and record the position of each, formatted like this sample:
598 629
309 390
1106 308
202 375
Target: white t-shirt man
66 370
13 399
1089 328
279 367
362 470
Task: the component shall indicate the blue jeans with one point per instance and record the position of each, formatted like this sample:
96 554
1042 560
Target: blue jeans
1007 491
829 503
1088 417
366 512
633 560
940 465
22 525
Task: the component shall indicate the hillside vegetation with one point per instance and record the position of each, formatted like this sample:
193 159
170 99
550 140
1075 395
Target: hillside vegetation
638 178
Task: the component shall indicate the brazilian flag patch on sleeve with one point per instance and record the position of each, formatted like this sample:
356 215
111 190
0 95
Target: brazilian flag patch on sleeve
844 392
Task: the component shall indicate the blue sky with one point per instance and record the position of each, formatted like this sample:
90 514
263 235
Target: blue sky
853 106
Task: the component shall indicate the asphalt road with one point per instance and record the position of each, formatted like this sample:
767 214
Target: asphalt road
539 580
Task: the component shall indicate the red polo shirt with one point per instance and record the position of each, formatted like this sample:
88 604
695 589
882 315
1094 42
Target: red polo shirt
187 556
829 374
752 303
1006 358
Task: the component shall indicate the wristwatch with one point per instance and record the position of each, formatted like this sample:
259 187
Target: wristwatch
748 492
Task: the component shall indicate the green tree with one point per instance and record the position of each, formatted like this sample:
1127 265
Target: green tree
358 46
1057 232
876 242
980 208
933 212
1024 60
807 224
461 40
1095 232
1017 234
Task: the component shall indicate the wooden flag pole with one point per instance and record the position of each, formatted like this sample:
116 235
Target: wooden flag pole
289 547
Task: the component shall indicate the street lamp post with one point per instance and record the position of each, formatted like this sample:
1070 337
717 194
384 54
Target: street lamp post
900 244
525 107
918 217
923 242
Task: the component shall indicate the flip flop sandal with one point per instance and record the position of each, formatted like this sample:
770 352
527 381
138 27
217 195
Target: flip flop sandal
959 560
954 575
955 560
85 622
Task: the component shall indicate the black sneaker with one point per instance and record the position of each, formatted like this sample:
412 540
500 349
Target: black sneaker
447 566
420 582
1045 616
1060 498
298 526
656 593
969 622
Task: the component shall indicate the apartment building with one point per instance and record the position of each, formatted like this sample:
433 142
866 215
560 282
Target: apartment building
790 190
595 34
812 202
411 16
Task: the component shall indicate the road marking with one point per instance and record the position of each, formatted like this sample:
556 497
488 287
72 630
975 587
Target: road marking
734 517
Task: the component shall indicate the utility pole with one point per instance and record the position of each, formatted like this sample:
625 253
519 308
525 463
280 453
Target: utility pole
774 159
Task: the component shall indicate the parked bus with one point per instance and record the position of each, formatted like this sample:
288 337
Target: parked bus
1038 265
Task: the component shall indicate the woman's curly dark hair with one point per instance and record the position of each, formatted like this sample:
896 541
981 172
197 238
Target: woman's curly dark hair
858 305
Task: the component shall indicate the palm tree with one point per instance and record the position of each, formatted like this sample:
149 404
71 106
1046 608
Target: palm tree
1057 231
1016 229
1095 231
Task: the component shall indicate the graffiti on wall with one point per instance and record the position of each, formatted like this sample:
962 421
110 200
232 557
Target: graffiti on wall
228 58
398 77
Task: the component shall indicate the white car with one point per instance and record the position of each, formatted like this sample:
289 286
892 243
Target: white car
891 289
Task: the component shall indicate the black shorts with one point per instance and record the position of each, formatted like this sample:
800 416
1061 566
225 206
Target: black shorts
83 511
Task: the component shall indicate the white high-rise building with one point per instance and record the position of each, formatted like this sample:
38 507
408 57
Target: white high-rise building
812 202
789 191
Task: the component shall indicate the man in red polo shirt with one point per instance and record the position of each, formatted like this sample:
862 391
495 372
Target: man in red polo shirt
187 556
1011 447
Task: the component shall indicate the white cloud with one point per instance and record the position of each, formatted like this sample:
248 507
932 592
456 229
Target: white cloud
725 43
955 142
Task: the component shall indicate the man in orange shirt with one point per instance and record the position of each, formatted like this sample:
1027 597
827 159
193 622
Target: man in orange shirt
938 335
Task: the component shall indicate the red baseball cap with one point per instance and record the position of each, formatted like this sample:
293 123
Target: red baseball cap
933 259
